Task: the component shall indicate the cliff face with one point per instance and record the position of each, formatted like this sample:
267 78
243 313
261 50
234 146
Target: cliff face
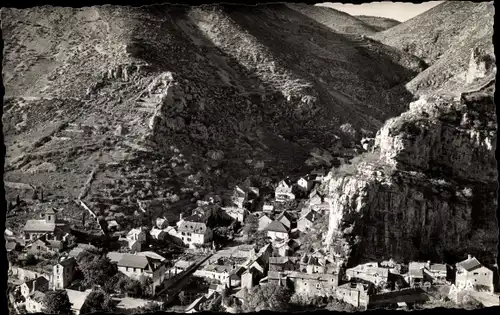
429 191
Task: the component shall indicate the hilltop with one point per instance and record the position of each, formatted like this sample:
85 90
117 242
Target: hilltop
445 37
336 20
146 110
377 22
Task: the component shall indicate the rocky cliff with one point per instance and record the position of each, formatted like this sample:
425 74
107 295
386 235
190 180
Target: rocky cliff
429 188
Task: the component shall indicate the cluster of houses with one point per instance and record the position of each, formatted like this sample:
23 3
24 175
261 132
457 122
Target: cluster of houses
282 261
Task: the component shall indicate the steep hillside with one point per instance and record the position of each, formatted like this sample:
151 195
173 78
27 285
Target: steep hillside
338 21
429 189
445 37
377 22
138 109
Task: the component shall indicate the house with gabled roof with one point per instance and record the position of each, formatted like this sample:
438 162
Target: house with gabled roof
305 184
135 266
42 245
48 226
286 218
35 302
284 263
193 232
277 230
63 272
283 191
263 220
470 273
237 213
370 272
38 284
306 222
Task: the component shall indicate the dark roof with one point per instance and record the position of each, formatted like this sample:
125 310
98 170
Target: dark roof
193 227
34 284
469 264
195 218
67 261
285 214
133 261
312 216
277 226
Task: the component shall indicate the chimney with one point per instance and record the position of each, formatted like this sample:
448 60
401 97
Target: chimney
180 217
469 256
428 264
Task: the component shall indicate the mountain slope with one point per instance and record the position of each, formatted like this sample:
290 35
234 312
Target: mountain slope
445 37
146 110
377 22
338 21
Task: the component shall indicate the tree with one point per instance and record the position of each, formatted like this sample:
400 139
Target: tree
269 297
98 301
251 225
57 302
96 270
30 260
146 286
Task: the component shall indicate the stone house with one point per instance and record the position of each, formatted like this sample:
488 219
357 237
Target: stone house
251 277
283 191
277 230
135 266
355 294
439 272
35 302
63 273
219 272
304 283
305 184
49 226
285 247
38 284
471 273
137 234
306 223
238 214
268 208
284 264
43 246
370 272
158 234
264 221
193 232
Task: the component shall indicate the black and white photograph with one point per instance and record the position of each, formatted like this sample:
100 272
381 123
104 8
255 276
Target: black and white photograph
236 158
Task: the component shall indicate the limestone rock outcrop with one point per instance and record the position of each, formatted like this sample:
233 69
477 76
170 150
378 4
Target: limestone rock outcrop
429 191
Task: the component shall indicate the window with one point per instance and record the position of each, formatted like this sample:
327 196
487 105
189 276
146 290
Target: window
183 233
126 268
189 240
476 273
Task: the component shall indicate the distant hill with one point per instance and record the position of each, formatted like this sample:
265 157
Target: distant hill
444 37
377 22
338 21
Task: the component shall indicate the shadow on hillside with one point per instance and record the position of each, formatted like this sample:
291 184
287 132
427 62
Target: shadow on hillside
380 74
160 41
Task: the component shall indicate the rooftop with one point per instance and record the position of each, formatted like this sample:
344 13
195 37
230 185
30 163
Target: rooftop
133 261
39 226
192 227
151 255
469 264
115 256
277 226
77 298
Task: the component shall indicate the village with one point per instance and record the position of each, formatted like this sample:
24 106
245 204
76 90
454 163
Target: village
224 257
